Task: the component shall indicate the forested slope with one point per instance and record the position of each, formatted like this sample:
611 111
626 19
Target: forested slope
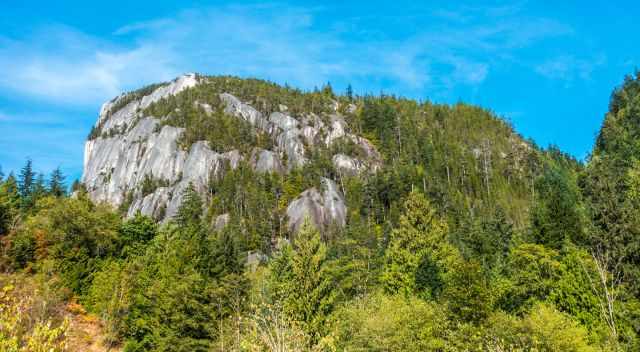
459 234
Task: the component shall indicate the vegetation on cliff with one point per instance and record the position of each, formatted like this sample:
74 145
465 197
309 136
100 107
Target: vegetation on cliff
467 238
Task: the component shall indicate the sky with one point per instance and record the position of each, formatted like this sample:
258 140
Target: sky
547 67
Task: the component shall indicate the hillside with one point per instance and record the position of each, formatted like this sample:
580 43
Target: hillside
222 213
149 145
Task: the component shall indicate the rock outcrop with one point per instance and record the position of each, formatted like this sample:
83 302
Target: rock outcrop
324 207
131 148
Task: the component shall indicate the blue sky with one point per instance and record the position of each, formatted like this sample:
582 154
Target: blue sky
549 68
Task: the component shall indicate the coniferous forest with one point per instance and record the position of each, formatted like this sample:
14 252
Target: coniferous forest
468 238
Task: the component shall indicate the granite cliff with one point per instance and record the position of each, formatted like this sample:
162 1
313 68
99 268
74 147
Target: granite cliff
128 147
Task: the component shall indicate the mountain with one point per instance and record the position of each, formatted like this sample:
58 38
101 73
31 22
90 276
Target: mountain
149 145
433 227
133 145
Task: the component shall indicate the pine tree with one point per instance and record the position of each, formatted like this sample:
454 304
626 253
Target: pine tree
349 92
190 211
557 212
9 203
417 250
26 179
303 282
57 187
11 188
39 188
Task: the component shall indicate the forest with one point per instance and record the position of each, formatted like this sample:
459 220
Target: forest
468 238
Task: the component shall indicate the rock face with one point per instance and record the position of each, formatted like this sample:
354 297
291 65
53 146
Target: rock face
133 148
264 160
324 207
221 221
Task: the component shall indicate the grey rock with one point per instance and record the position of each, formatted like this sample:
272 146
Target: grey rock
347 165
127 114
234 106
282 121
255 258
266 161
114 167
324 207
289 141
336 129
153 205
221 221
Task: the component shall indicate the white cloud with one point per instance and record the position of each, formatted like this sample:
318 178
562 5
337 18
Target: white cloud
64 65
569 68
79 69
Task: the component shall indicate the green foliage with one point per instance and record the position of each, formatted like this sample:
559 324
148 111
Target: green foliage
150 184
57 187
135 233
516 248
74 233
390 323
543 329
259 200
468 293
190 211
26 181
532 272
417 254
301 281
486 239
608 183
575 292
558 214
9 204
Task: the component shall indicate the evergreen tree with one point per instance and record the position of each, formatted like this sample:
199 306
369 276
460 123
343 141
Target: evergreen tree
11 188
39 188
57 187
349 92
135 233
9 203
302 281
485 238
26 179
190 211
608 184
557 213
417 250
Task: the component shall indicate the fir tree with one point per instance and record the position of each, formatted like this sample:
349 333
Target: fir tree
26 179
417 249
190 211
303 282
9 203
39 188
349 92
57 187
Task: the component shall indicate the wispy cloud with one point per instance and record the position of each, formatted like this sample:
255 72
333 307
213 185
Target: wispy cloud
64 65
569 68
